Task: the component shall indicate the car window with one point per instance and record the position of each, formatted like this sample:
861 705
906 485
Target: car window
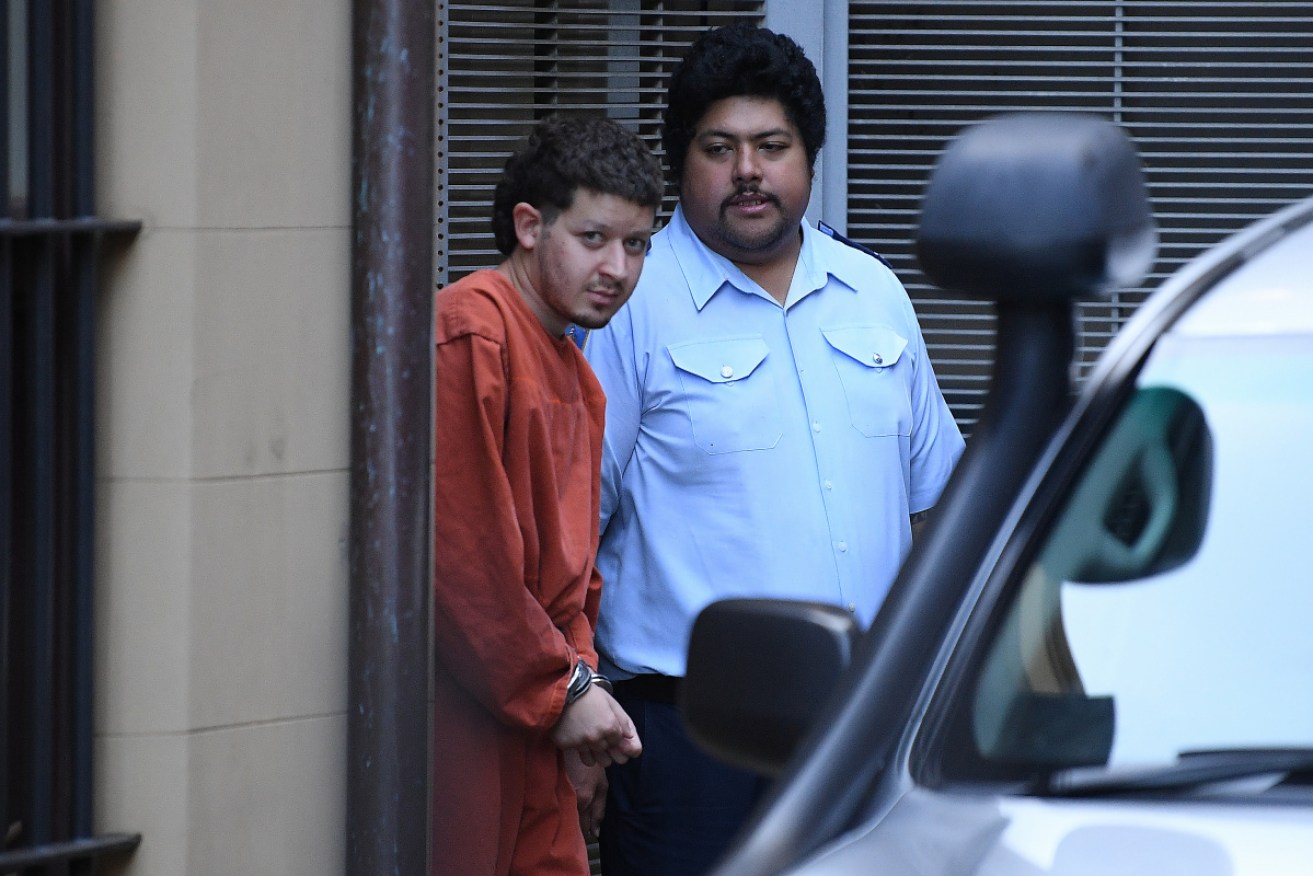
1170 607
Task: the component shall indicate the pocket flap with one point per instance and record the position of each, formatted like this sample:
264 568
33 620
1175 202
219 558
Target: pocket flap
875 346
722 360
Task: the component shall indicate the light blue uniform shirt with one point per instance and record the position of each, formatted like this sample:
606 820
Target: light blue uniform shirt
758 450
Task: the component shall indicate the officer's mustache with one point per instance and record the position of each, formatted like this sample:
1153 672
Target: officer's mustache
748 192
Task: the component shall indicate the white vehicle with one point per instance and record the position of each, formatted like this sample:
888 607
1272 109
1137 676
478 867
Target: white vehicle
1098 659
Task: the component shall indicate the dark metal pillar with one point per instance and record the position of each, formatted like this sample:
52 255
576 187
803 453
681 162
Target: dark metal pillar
394 44
41 368
85 282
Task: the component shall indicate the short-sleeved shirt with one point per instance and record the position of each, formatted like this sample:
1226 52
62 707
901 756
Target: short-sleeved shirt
754 449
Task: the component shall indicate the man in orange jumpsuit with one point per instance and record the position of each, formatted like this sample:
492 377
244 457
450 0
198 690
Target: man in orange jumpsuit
523 723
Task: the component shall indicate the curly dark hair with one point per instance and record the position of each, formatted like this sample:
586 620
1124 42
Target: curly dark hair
742 60
565 153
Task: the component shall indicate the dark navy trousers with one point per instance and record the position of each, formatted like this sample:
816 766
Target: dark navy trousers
674 810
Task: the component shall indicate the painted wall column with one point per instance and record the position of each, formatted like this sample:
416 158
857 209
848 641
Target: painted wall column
821 29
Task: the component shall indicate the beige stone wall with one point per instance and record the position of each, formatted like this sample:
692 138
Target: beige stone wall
222 444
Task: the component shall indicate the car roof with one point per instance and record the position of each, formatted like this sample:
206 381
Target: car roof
1269 292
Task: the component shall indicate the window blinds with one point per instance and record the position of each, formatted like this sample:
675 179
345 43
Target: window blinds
1218 97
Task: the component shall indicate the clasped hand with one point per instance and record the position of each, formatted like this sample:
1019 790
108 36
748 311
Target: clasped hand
598 729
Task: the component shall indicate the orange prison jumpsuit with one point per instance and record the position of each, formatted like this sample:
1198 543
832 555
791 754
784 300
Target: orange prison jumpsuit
517 455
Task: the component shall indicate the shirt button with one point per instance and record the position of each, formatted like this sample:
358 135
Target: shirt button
829 485
878 359
726 371
852 608
842 546
816 427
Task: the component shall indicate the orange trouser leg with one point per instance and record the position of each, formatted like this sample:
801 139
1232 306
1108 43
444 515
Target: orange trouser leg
550 841
502 804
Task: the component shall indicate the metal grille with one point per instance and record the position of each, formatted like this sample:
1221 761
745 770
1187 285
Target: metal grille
1217 95
50 240
504 66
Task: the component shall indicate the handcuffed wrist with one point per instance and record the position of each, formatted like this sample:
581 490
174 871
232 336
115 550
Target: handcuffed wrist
581 678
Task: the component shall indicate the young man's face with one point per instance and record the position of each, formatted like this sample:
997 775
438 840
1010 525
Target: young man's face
746 180
586 262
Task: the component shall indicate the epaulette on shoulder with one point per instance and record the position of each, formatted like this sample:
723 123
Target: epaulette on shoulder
578 334
830 232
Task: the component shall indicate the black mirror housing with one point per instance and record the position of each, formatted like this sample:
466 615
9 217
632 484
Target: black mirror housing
759 671
1032 207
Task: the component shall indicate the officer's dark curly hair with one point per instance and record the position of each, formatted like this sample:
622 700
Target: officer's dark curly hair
565 153
742 60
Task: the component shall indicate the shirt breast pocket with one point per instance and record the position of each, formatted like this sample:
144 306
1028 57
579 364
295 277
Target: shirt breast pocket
729 393
872 364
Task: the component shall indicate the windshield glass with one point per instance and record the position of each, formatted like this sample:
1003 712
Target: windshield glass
1170 608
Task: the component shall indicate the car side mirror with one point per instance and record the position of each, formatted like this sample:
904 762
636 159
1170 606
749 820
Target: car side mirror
1032 208
759 671
1142 506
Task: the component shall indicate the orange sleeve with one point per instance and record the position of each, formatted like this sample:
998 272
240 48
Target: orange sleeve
491 634
583 624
